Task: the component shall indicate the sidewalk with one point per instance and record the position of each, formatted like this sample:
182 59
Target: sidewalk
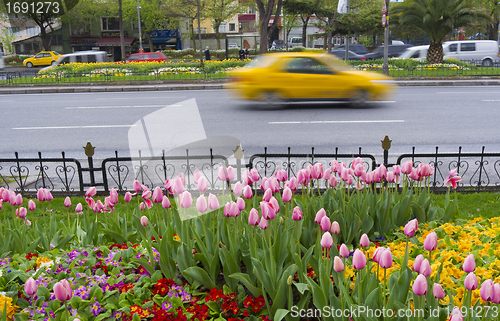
210 86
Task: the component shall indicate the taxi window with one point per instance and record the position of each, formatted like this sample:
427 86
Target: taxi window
306 65
40 55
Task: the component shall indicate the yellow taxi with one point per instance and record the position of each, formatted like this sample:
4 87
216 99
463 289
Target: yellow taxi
43 58
277 77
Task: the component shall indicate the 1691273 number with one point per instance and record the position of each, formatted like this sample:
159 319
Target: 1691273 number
33 7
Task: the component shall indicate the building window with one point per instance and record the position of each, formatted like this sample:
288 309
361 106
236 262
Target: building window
232 27
32 31
110 24
251 10
223 27
80 28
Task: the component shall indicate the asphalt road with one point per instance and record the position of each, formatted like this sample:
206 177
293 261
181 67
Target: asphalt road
424 117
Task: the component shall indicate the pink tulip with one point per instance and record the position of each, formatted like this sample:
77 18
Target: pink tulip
263 224
437 291
334 165
358 260
253 217
496 294
452 180
62 290
267 210
99 206
487 290
325 224
406 167
456 315
332 182
335 229
146 194
297 214
201 204
32 204
137 186
177 186
79 208
91 192
48 195
28 223
425 268
247 192
213 202
30 286
471 282
391 177
267 195
418 262
67 202
274 203
420 285
165 202
319 215
21 212
411 228
430 243
414 175
202 184
364 241
233 210
254 175
287 195
327 174
344 251
222 175
338 265
469 264
293 184
241 203
128 197
386 259
326 240
185 199
144 221
40 195
303 177
317 171
382 170
238 189
359 170
230 173
19 199
157 195
281 175
397 170
197 175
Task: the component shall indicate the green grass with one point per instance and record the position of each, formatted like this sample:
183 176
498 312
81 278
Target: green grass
472 205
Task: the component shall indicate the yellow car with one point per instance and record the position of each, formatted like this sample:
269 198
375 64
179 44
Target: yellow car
44 58
278 77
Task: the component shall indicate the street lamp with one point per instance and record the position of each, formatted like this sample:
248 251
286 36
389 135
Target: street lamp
140 34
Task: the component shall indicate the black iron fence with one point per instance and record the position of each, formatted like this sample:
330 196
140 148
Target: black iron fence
69 176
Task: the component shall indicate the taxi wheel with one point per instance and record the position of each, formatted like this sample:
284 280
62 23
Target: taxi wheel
53 63
360 98
271 100
29 65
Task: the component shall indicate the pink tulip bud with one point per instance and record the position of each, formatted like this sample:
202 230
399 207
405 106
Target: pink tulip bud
411 228
79 208
274 203
146 194
319 215
456 315
99 206
144 221
281 175
241 203
197 175
327 174
391 177
377 254
335 229
364 241
247 192
297 214
177 186
254 175
30 286
238 189
338 265
19 199
48 195
28 223
420 285
91 192
332 182
358 260
344 251
327 240
293 184
128 197
469 264
267 210
430 243
386 259
202 184
406 168
201 204
62 290
67 202
21 212
496 294
253 217
267 195
157 195
425 268
32 205
222 175
263 224
213 202
487 290
113 194
185 199
418 262
437 291
287 195
325 224
137 186
471 282
397 170
165 202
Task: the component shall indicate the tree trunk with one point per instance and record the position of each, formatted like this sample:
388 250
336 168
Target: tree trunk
492 29
199 31
265 13
122 36
217 36
304 30
45 41
193 38
435 53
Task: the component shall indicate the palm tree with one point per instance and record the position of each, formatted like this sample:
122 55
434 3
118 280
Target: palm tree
437 18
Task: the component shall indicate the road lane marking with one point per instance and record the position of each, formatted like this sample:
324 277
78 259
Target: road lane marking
467 92
491 100
147 97
75 127
335 122
108 107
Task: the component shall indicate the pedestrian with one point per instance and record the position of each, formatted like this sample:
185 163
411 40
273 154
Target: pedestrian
242 54
247 53
207 53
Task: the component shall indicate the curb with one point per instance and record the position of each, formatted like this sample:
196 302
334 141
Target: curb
128 88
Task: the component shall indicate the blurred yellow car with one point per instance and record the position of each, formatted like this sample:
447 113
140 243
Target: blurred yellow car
278 77
43 58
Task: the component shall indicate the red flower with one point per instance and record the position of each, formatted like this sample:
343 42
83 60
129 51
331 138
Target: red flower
29 256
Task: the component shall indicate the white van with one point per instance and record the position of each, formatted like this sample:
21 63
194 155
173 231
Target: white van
81 56
483 52
295 42
417 53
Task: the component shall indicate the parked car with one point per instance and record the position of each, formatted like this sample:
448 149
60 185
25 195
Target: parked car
43 58
299 76
340 54
2 65
484 52
416 52
278 44
147 56
394 51
295 42
90 56
357 48
233 46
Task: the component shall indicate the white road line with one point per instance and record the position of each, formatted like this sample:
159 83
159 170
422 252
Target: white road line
163 97
491 100
384 101
335 122
108 107
75 127
468 92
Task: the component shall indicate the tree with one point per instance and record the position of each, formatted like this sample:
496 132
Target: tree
185 9
266 9
289 22
437 18
304 9
6 39
219 11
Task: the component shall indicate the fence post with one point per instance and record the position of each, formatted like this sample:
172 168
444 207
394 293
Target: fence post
386 145
89 151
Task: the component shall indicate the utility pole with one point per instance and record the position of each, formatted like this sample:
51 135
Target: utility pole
140 32
385 23
347 37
